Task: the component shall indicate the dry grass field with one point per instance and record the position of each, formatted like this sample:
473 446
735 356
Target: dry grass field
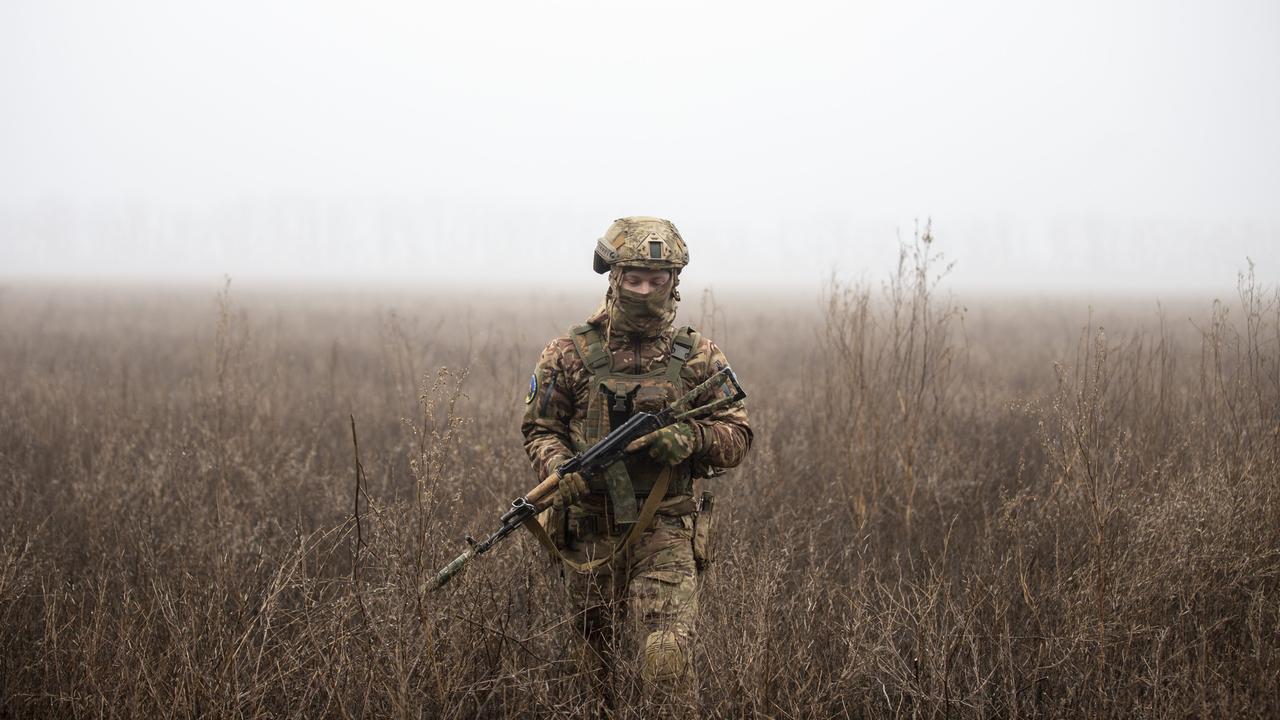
955 507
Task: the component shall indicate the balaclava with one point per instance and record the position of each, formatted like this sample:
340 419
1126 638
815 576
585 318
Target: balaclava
647 315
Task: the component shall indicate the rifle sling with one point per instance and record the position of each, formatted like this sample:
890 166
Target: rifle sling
647 511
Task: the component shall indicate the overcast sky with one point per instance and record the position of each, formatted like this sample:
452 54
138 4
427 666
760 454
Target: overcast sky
1101 144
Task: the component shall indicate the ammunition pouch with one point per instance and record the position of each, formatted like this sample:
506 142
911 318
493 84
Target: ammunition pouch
614 398
581 524
681 481
595 519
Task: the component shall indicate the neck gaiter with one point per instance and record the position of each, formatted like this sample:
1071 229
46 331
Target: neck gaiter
647 315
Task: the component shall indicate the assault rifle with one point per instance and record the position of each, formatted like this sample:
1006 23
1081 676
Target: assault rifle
594 460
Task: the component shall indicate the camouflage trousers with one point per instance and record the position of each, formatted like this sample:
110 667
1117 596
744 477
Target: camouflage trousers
635 613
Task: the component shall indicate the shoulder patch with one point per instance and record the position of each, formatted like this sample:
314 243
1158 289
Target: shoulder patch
533 389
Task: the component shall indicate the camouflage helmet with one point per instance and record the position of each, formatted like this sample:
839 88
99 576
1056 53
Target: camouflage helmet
644 242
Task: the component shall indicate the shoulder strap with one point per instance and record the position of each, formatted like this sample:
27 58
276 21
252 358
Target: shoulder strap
682 346
590 347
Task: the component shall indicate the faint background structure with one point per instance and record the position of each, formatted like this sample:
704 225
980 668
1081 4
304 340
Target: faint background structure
1095 145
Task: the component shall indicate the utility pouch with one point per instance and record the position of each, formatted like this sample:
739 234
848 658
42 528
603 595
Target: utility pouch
702 554
620 397
617 398
579 526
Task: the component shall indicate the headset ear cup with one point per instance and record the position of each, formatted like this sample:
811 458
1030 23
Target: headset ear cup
598 264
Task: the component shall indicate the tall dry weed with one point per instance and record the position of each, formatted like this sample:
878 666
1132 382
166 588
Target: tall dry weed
915 534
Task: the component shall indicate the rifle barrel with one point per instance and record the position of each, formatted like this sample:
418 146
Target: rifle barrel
448 571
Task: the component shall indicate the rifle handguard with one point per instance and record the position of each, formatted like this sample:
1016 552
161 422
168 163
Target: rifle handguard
544 489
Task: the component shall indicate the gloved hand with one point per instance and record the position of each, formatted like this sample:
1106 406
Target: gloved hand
569 490
671 445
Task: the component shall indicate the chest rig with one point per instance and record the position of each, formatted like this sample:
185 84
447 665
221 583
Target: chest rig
615 396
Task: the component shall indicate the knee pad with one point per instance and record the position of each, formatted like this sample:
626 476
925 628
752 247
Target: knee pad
664 660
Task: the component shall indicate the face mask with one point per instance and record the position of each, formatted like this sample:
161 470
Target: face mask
633 313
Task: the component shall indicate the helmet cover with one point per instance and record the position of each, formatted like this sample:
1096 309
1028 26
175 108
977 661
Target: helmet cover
641 242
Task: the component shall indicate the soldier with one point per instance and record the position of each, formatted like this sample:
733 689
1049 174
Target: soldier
634 589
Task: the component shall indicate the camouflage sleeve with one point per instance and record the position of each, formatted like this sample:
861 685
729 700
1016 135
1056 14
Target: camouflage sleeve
548 408
726 435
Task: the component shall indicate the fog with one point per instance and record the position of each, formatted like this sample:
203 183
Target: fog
1096 145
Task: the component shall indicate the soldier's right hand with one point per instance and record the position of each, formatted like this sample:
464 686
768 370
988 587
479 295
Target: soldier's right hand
569 490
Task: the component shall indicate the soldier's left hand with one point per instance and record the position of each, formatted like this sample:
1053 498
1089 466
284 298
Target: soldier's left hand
671 445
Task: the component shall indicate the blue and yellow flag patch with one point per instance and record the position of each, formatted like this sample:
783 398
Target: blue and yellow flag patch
533 389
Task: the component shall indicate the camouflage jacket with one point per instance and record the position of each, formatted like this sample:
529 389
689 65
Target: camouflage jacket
563 383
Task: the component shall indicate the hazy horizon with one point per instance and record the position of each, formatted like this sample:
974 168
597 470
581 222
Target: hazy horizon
1092 147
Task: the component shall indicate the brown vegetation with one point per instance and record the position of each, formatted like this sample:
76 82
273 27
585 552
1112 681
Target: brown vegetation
975 513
